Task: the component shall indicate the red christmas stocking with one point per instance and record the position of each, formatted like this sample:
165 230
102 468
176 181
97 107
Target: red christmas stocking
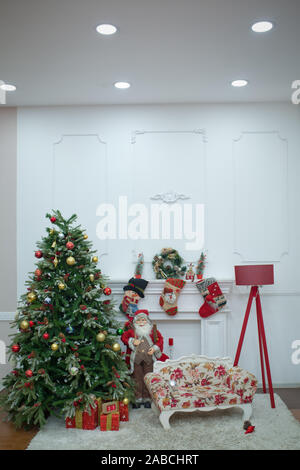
169 296
214 298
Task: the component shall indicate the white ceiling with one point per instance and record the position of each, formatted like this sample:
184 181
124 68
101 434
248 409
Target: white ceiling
171 51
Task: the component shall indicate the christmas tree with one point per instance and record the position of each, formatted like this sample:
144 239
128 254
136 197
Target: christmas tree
66 351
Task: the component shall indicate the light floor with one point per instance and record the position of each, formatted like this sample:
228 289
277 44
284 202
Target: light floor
12 439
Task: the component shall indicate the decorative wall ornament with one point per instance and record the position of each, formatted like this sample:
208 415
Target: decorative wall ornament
169 197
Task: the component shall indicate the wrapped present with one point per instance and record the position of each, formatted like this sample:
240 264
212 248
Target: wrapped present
70 423
110 407
109 422
85 419
123 411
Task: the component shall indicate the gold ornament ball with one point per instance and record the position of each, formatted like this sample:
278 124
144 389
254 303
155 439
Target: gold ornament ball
126 401
24 325
31 296
92 277
116 347
54 346
95 259
85 237
71 261
100 337
61 286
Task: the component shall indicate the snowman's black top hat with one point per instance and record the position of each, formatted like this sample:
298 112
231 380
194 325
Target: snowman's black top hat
137 285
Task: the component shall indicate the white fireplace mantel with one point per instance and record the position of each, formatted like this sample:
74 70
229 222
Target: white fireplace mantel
211 332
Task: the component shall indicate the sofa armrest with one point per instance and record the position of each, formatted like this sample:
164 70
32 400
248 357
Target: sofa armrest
242 382
155 382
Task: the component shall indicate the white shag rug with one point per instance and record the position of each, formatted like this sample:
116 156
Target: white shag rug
275 429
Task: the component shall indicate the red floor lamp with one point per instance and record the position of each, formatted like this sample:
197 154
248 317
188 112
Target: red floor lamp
256 276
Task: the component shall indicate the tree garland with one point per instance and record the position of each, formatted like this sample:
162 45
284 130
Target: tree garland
168 264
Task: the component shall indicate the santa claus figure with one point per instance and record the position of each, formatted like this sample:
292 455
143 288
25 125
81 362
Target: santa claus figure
144 346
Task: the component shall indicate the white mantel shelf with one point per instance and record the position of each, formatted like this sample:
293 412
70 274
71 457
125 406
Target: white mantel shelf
212 331
155 286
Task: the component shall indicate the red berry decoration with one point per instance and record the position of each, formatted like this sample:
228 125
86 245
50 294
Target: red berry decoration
70 245
29 373
63 340
46 336
31 323
107 291
53 219
106 302
38 254
27 384
83 307
82 367
15 348
15 372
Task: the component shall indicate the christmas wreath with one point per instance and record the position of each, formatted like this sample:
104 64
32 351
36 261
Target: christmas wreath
168 264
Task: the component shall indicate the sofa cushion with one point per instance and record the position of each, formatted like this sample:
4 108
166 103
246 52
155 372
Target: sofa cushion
195 397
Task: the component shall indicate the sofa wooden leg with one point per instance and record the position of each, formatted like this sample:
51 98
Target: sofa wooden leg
164 418
247 409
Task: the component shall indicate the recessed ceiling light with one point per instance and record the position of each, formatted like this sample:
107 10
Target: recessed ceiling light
106 29
262 26
7 87
122 85
239 83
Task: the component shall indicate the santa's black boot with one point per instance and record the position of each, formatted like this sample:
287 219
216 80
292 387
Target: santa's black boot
137 403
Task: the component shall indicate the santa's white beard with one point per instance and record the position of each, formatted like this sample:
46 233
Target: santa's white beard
143 330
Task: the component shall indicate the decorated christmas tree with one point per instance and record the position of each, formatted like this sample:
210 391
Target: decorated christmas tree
66 351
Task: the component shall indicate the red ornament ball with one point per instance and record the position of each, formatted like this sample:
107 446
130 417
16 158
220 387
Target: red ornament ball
38 254
15 348
70 245
31 323
82 367
38 272
29 373
107 291
46 336
53 219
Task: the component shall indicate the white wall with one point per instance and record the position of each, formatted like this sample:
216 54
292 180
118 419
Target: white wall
241 161
8 224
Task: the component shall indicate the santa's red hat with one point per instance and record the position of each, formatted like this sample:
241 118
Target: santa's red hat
142 313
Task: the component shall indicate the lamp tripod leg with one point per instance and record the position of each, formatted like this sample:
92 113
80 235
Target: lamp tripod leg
260 347
241 340
264 343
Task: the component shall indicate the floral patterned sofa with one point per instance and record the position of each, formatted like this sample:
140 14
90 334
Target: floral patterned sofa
199 383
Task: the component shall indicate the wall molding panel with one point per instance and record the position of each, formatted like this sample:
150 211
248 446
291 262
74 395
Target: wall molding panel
260 201
166 154
79 175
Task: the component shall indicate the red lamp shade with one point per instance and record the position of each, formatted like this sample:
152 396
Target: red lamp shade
254 275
